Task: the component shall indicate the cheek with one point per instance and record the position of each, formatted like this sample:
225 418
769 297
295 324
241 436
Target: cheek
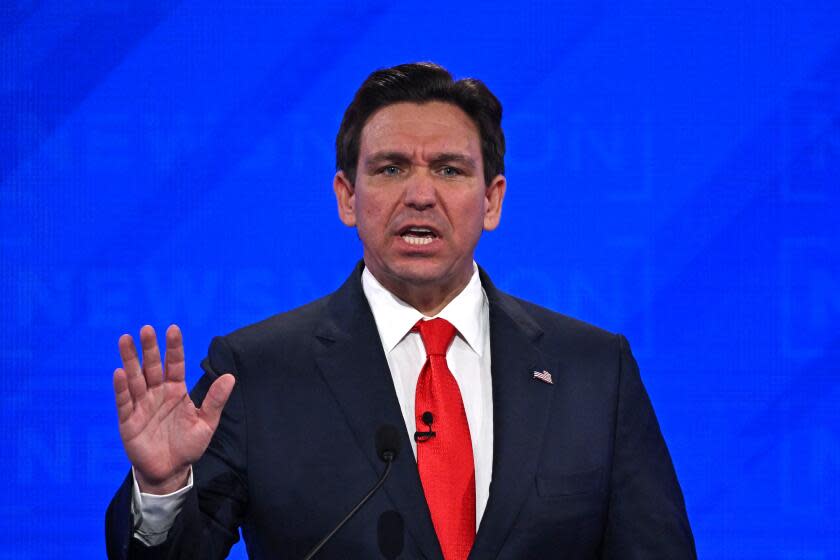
471 216
371 216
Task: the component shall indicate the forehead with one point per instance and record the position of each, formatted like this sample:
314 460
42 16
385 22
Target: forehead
409 127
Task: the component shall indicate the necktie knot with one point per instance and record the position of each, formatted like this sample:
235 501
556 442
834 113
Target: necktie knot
437 335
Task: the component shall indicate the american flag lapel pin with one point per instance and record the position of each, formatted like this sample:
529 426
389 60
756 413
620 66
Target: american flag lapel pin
544 376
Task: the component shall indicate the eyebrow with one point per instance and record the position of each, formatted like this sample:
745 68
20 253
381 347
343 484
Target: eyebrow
436 159
453 157
386 157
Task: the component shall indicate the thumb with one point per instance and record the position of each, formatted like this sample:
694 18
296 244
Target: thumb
215 400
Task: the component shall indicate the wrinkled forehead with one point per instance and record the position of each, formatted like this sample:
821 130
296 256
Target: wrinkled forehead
419 129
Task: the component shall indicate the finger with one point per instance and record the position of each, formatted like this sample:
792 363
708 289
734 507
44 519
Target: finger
131 365
215 400
173 361
152 368
122 395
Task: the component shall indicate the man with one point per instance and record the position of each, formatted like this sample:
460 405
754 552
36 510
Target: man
527 434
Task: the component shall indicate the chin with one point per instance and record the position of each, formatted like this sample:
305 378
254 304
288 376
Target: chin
419 274
425 272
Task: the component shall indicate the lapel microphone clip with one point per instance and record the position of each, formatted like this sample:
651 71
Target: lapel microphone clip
422 437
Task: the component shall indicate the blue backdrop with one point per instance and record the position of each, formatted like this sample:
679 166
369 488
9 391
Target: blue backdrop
674 174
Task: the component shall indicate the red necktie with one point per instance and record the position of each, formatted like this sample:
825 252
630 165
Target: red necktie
445 460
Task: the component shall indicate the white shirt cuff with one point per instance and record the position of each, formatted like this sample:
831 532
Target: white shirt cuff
155 514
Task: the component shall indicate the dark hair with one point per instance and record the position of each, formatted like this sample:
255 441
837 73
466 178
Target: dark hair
421 82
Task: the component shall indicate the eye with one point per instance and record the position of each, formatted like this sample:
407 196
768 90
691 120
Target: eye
449 171
390 170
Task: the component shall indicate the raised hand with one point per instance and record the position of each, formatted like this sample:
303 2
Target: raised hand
161 429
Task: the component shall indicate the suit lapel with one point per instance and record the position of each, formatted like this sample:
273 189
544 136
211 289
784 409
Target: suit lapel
521 408
350 356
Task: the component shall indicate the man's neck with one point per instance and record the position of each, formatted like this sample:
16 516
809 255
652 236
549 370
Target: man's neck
428 299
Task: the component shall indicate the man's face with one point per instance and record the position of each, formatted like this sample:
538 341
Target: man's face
420 201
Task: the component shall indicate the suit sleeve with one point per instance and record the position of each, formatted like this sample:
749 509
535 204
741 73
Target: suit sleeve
647 517
208 524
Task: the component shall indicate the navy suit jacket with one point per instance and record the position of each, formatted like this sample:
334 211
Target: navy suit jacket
580 468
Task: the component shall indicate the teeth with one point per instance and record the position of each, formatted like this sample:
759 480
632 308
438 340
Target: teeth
411 240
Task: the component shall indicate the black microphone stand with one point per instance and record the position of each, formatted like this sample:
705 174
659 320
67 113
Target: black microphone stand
388 456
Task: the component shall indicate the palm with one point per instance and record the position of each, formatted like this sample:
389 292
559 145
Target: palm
161 429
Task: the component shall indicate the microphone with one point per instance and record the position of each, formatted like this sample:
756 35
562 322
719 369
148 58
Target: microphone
387 443
390 532
387 447
421 437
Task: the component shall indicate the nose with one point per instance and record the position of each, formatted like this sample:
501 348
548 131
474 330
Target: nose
420 192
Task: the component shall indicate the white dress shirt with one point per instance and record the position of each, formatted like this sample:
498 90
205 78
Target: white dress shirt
468 358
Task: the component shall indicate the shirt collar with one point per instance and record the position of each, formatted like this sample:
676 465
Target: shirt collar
395 318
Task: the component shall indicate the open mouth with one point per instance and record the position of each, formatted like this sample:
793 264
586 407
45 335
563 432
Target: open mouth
417 235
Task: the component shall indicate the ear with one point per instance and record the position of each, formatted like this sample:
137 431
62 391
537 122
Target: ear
494 196
345 196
